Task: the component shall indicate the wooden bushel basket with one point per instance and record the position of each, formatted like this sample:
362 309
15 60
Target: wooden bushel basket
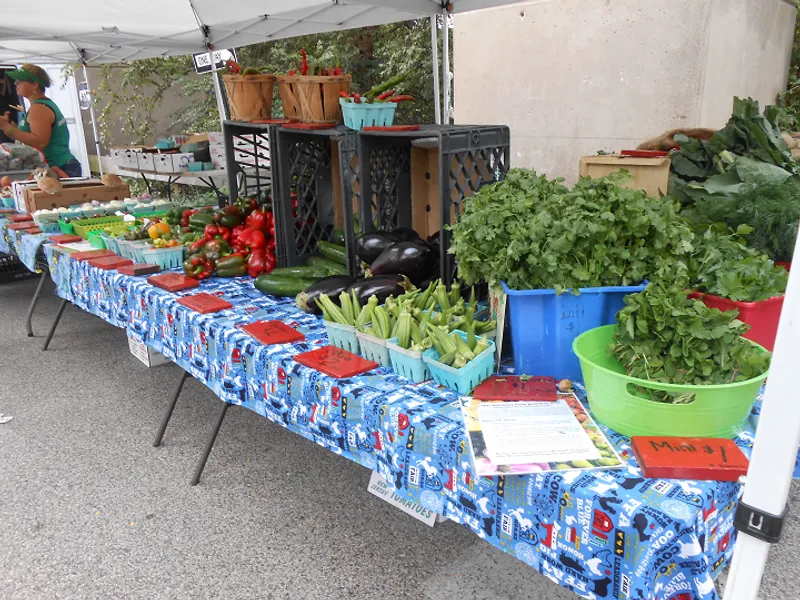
313 99
249 96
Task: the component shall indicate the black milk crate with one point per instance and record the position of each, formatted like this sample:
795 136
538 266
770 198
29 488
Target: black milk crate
420 178
249 148
12 269
316 173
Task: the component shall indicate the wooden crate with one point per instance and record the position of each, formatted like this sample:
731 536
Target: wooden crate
74 193
649 174
313 99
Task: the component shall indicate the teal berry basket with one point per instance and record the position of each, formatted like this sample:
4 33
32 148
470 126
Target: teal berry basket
373 348
465 379
358 116
342 336
166 258
408 363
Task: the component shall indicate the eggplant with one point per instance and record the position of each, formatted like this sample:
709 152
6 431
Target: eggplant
416 260
371 245
333 286
382 287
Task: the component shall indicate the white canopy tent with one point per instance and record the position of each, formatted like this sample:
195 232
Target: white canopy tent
114 31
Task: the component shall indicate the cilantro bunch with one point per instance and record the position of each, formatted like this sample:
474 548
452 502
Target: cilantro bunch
664 336
724 266
533 233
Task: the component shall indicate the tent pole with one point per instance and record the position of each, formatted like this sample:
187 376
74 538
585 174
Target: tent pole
94 121
218 92
435 60
760 513
446 66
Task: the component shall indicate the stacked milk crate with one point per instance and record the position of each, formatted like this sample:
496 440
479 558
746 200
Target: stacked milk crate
216 146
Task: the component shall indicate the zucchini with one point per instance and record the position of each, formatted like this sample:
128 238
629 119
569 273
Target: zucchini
304 272
333 267
281 285
333 252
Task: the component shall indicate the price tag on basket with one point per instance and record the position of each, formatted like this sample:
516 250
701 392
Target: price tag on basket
173 282
514 387
138 269
82 256
335 362
273 332
205 303
106 263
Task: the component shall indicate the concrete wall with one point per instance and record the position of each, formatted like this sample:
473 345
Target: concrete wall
571 77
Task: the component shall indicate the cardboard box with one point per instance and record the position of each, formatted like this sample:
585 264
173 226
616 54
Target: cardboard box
649 174
148 356
180 162
216 137
74 192
146 161
247 158
163 163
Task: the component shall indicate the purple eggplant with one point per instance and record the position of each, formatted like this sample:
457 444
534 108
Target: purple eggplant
332 286
415 259
381 286
371 245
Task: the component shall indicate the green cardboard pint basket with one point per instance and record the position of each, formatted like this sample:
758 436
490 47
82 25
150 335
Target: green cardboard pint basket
618 401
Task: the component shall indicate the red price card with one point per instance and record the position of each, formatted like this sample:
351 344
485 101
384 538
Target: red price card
139 269
710 459
517 388
273 332
82 256
109 262
335 362
19 218
204 303
33 231
173 282
22 225
7 211
65 238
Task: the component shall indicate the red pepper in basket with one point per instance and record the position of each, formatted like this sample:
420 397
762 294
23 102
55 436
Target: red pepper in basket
343 94
357 98
385 95
401 98
232 67
304 67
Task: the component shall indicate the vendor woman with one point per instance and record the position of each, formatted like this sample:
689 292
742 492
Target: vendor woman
43 127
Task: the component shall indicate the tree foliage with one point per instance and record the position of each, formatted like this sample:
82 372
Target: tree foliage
788 101
131 100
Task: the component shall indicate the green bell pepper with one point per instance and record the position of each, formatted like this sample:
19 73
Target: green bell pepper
233 265
198 221
217 248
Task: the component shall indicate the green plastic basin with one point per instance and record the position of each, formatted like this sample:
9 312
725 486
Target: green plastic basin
716 411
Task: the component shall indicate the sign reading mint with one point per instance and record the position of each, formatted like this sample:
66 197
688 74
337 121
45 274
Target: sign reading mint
202 61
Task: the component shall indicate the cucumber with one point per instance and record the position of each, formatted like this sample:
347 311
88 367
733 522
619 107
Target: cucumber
338 237
333 252
281 285
334 268
304 272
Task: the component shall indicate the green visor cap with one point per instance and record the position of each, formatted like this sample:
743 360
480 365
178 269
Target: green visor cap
22 74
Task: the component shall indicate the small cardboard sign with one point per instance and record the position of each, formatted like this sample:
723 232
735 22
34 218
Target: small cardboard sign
107 263
22 225
335 362
378 487
702 459
515 387
19 218
173 282
65 238
205 303
138 269
82 256
273 332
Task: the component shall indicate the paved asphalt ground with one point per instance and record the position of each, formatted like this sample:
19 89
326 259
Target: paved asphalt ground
89 509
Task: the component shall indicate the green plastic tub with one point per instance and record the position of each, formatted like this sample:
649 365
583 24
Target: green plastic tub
716 411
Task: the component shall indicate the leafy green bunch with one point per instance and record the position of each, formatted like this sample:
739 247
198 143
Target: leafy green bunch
724 266
533 233
664 336
772 209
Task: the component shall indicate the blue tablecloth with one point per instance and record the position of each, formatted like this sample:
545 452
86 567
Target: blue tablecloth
26 246
606 534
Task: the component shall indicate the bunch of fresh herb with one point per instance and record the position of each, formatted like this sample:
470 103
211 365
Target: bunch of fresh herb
535 234
664 336
724 266
771 209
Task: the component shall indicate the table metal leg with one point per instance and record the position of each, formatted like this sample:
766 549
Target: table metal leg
34 300
147 183
170 181
54 325
209 444
168 413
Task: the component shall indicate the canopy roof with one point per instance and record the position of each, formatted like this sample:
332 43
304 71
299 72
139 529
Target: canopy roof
111 31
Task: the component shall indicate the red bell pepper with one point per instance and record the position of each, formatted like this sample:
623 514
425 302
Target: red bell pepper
261 219
232 67
304 67
260 262
185 217
252 239
212 231
270 245
197 246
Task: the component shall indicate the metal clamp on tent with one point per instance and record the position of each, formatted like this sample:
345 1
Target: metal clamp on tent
758 524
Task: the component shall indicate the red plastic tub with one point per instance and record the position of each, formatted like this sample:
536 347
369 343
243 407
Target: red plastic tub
785 265
762 316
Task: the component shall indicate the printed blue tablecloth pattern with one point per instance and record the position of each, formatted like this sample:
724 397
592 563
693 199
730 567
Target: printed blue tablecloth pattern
604 534
4 246
26 246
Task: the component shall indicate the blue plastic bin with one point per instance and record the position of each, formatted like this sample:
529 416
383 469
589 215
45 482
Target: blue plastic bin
544 325
8 201
358 116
